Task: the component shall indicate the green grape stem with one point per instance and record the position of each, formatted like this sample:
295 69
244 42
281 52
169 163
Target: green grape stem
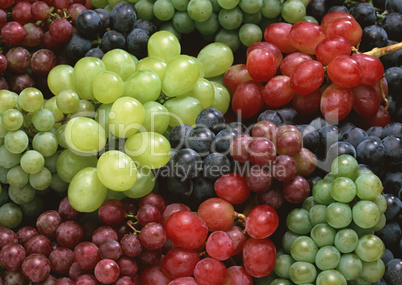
379 52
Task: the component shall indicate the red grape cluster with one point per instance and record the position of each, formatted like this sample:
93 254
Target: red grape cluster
318 71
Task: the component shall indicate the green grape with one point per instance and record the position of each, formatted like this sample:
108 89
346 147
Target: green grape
215 6
204 91
373 271
154 64
10 215
67 101
293 11
51 161
350 266
84 73
199 10
3 130
32 161
381 203
322 192
149 149
345 166
58 185
298 221
302 272
99 3
30 99
16 141
70 163
330 277
51 105
317 214
85 109
254 18
365 214
60 78
370 248
113 3
368 186
116 170
361 231
381 224
164 44
145 9
156 117
163 10
271 8
34 208
17 177
143 85
117 195
230 19
120 62
329 176
288 239
323 234
346 240
277 282
86 193
183 23
216 58
126 117
8 100
9 159
168 26
12 119
209 26
181 75
229 38
41 180
21 195
45 143
180 5
1 141
308 203
338 215
228 4
328 257
310 18
282 265
102 117
84 135
183 110
107 87
144 183
343 189
61 138
43 120
303 249
250 6
249 34
3 195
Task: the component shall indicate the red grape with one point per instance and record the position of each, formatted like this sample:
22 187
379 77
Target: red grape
347 28
307 77
24 233
12 255
278 34
69 234
153 236
296 190
184 281
147 214
269 47
289 140
217 213
262 151
102 234
237 275
173 208
86 255
261 65
247 99
13 33
48 222
380 118
210 271
367 101
305 36
179 262
6 3
307 104
155 200
262 222
235 75
284 168
36 267
336 102
334 15
86 279
40 11
64 281
110 249
265 129
128 266
130 205
62 4
112 212
381 87
372 69
60 30
273 197
331 47
42 61
74 10
292 60
306 162
107 271
22 12
18 59
239 148
38 244
238 237
154 276
344 71
258 179
277 91
131 245
232 187
259 256
61 259
76 271
67 212
149 257
219 245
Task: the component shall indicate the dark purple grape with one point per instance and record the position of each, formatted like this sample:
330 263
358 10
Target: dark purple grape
43 61
137 42
179 136
18 59
74 10
19 82
130 205
212 119
36 267
105 19
34 35
67 212
150 257
393 271
78 46
123 17
88 24
153 199
271 115
95 52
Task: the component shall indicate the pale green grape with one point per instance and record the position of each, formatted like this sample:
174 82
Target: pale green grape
302 272
17 177
328 257
120 62
181 75
381 203
303 249
99 3
8 159
144 9
368 186
199 10
365 214
322 192
144 183
338 215
85 135
209 26
163 10
51 161
67 101
12 119
230 19
3 130
86 193
21 195
43 120
350 266
10 215
282 265
70 163
180 5
361 231
345 166
58 185
154 64
164 44
8 100
168 26
323 234
156 117
293 11
249 34
200 66
183 110
288 239
276 282
85 109
102 117
330 177
309 18
228 4
370 248
221 98
60 78
45 143
229 38
381 223
41 180
32 161
107 87
116 170
84 73
204 91
343 189
61 138
250 6
373 271
216 59
271 8
254 18
183 23
126 117
149 149
16 141
317 214
330 277
298 221
51 105
144 85
308 203
30 99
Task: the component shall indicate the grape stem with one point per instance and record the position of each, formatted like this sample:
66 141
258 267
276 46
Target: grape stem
378 52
